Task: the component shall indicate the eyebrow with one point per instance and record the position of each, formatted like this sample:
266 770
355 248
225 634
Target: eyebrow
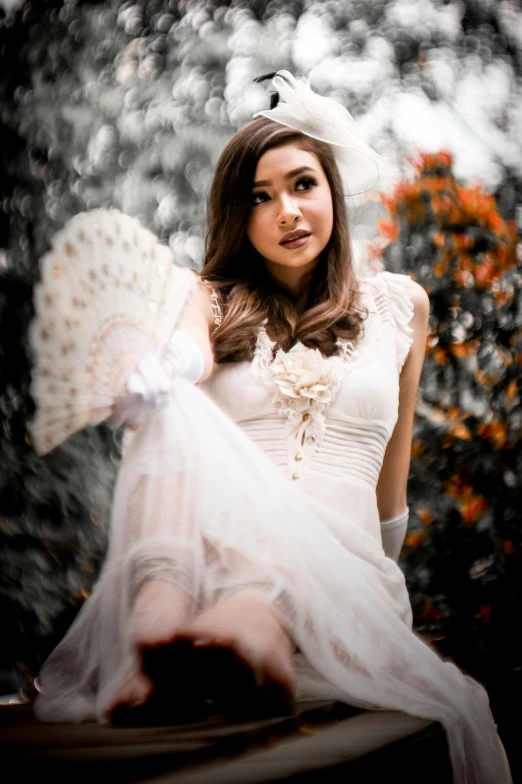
288 176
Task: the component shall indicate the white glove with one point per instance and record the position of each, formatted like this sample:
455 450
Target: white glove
185 357
393 533
148 388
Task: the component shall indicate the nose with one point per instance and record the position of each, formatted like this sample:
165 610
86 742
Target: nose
289 211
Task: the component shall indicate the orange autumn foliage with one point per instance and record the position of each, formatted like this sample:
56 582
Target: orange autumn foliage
474 508
461 431
464 350
486 379
495 432
425 516
415 538
440 355
452 206
459 489
471 505
417 448
512 390
389 229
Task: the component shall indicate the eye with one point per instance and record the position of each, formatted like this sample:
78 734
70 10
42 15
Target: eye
308 182
259 195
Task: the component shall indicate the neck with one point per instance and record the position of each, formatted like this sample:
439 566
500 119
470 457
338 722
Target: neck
294 280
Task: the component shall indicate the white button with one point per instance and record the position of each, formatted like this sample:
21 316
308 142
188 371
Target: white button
298 456
310 440
296 476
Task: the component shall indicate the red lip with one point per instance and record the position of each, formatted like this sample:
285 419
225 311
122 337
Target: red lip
293 235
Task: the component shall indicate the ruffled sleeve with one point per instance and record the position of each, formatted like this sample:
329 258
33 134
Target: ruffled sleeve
395 306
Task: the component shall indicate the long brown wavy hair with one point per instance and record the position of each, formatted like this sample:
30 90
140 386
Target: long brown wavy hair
325 307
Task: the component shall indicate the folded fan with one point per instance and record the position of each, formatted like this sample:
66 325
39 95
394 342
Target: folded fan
110 295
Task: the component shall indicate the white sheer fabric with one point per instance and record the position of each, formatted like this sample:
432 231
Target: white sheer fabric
200 504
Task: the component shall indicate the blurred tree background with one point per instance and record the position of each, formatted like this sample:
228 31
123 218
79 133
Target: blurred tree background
129 105
462 552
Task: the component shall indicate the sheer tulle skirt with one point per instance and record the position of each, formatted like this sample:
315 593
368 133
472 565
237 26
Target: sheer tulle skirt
199 505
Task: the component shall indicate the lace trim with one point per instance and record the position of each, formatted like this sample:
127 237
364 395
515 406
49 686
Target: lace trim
264 350
347 350
216 307
214 303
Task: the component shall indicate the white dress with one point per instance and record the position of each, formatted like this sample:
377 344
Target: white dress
331 446
265 476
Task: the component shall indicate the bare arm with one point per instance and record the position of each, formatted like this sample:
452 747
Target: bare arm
198 321
393 479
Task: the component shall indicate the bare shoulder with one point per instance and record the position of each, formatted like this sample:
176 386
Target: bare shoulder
419 324
421 308
420 299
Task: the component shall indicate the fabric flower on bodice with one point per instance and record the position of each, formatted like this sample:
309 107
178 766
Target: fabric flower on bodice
302 383
304 377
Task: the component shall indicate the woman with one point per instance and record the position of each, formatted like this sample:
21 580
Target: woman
254 584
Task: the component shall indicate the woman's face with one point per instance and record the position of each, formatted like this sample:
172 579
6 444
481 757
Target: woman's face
290 196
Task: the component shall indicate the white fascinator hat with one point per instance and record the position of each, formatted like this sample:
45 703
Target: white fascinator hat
296 105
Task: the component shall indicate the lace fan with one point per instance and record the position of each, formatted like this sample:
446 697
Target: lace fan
110 294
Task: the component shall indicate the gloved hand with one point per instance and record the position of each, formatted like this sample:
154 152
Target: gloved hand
148 388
